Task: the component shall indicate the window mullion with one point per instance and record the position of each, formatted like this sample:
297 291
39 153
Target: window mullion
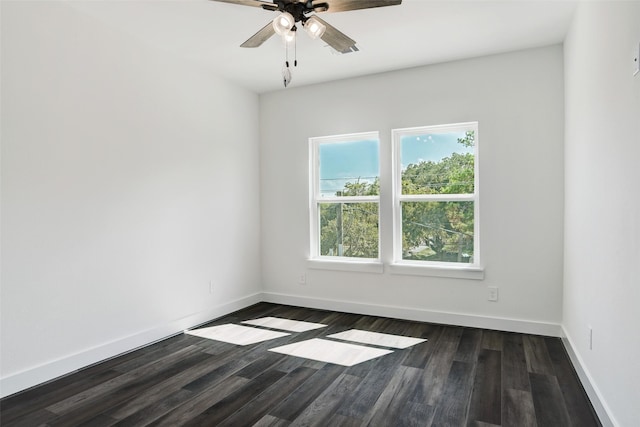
349 199
436 197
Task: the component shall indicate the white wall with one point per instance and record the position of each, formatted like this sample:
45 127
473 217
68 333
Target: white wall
602 203
517 98
129 181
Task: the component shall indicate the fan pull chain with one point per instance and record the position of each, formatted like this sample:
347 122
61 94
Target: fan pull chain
286 54
295 49
286 73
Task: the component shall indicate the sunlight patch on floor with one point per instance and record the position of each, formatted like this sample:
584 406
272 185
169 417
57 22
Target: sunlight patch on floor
236 334
335 352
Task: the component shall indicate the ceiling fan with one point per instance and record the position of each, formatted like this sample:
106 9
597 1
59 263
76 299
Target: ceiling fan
305 12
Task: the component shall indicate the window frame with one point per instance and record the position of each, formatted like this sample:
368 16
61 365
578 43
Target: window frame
316 260
422 267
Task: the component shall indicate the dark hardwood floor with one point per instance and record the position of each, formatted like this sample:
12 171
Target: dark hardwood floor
459 377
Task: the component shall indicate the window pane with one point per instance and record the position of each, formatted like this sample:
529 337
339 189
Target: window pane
438 163
437 231
349 229
349 168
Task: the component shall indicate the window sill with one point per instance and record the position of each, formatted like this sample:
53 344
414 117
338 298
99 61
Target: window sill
400 268
366 266
456 272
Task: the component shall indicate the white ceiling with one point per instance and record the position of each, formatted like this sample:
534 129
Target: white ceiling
417 32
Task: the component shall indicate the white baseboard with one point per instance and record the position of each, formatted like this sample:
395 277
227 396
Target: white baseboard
440 317
599 404
34 376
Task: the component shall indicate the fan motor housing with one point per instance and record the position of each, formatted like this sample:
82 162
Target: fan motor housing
297 9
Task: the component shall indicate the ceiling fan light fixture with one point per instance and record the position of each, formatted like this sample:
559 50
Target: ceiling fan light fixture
314 27
283 23
289 36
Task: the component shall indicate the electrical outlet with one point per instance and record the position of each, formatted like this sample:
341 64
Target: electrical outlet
493 293
302 279
590 329
210 286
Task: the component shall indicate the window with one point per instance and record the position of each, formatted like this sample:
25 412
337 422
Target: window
345 191
436 195
433 191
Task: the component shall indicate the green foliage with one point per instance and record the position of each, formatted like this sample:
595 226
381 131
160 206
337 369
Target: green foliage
434 231
349 229
469 139
361 188
437 231
451 175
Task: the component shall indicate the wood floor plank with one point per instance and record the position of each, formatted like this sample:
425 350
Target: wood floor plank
535 351
260 365
318 412
289 364
468 346
492 340
193 407
396 327
214 348
150 397
517 409
222 409
486 399
362 369
377 324
368 323
166 345
391 402
23 404
358 404
420 354
293 405
317 316
253 411
92 407
453 407
548 401
100 420
230 363
87 396
339 420
216 376
577 403
271 421
152 354
514 363
429 388
158 408
260 309
415 415
35 418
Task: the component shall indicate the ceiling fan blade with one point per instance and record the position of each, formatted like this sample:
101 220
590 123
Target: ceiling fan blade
337 39
255 3
260 37
345 5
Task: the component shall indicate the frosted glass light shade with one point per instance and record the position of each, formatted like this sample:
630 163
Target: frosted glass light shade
289 36
314 27
283 23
